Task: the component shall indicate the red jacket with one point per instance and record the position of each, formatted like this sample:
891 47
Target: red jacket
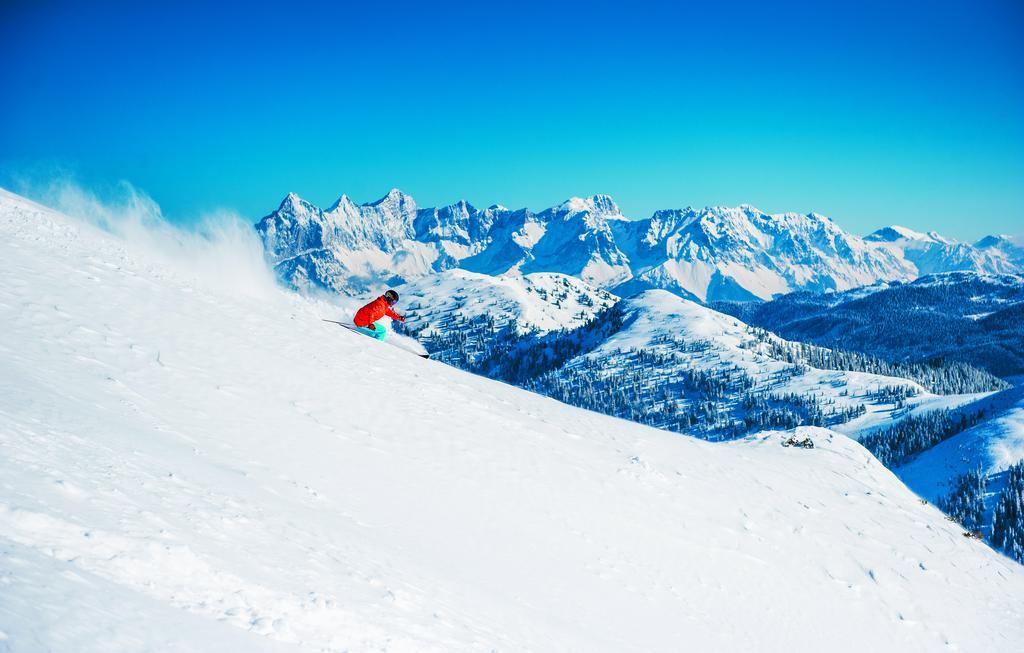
375 310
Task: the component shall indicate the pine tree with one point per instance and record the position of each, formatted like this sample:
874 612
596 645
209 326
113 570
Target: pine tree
966 501
894 445
1008 517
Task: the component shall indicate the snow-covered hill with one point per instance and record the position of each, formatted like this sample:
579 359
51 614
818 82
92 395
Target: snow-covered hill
711 254
756 379
188 467
533 302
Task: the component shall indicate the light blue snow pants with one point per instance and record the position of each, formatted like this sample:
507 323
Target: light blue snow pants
378 332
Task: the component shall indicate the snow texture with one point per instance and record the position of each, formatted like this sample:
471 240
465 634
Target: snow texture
536 302
187 467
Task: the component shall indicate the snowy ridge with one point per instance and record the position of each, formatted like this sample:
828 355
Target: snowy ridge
535 302
711 254
237 475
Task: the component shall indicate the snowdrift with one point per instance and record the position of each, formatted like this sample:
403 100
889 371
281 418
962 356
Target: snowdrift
188 468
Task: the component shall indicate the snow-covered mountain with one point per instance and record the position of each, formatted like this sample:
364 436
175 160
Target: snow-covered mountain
709 254
230 473
931 253
348 246
356 248
742 253
1007 247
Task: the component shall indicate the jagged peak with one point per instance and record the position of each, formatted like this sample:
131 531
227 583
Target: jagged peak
722 210
719 213
671 216
997 240
460 208
293 203
463 205
939 238
599 203
394 195
895 232
342 202
792 218
605 202
990 240
751 210
689 210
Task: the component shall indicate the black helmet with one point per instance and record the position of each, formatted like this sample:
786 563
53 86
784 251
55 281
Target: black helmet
391 296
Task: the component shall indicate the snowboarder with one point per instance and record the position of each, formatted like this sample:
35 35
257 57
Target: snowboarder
367 316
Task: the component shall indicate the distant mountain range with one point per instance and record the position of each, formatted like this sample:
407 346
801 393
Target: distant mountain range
709 254
932 253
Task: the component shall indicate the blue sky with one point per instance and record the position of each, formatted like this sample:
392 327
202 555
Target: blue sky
871 112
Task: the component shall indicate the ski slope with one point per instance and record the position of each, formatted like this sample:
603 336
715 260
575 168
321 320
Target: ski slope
192 462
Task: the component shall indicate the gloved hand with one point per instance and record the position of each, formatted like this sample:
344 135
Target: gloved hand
371 326
401 318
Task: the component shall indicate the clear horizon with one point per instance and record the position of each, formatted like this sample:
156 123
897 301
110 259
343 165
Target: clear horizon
870 114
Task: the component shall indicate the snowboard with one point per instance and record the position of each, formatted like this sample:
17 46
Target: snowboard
414 348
